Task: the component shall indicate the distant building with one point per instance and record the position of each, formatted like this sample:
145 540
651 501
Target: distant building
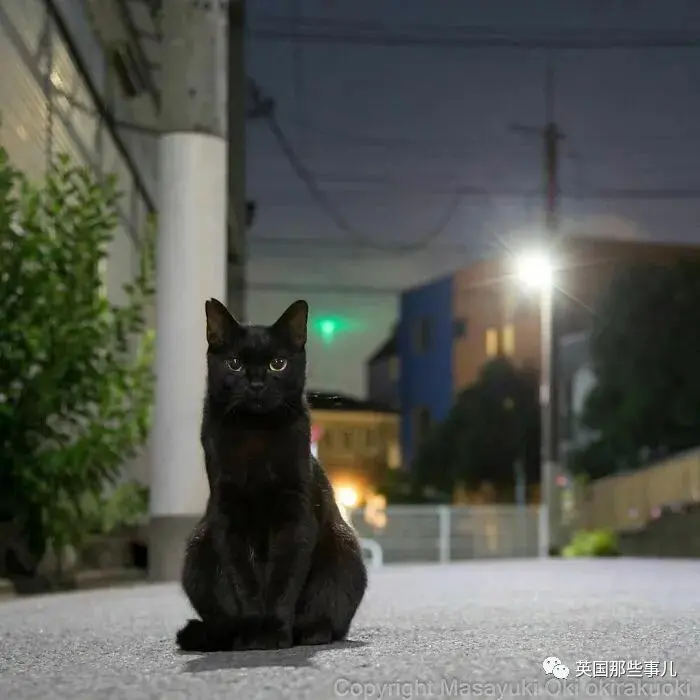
450 327
425 339
383 369
356 441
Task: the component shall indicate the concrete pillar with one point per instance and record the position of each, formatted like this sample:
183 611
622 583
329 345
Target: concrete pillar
191 265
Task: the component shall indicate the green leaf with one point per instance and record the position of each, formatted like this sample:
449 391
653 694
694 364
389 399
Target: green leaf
644 351
76 379
493 424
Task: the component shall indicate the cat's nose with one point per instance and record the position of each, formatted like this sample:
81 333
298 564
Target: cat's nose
256 387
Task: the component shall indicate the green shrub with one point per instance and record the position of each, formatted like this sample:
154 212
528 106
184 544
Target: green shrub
125 506
76 381
592 543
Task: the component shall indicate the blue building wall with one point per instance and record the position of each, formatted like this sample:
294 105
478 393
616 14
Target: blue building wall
425 378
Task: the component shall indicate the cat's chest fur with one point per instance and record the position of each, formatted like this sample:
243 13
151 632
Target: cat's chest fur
254 459
260 462
262 488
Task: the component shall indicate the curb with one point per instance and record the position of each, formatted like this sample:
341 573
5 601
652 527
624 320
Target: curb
7 590
99 578
91 579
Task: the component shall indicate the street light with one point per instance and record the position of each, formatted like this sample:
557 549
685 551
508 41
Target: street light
348 496
536 271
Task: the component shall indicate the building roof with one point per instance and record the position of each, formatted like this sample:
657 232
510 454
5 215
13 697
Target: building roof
332 401
389 348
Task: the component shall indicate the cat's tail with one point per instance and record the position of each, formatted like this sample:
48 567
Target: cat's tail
198 636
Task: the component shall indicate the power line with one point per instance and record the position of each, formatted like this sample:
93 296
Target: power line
434 146
316 241
489 39
337 218
477 192
278 248
375 290
472 30
359 290
321 199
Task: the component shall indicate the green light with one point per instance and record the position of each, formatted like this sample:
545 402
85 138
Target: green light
328 327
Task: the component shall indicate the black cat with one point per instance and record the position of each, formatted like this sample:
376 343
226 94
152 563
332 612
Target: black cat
271 563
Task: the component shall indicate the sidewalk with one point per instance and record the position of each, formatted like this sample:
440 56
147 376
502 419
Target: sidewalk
85 580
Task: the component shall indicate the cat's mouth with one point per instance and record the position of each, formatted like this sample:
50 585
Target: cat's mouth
257 404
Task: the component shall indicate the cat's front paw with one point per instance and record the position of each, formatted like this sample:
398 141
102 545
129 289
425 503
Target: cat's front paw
274 633
198 636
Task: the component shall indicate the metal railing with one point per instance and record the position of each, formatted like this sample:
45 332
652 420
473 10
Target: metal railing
448 533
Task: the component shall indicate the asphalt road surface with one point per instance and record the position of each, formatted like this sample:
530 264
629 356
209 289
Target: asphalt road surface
480 629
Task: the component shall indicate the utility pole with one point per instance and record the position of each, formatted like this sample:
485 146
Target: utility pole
551 135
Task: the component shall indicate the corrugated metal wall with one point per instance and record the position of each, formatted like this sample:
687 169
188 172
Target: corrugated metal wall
47 108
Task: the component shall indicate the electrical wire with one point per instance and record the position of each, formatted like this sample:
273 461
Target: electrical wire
435 148
472 30
315 183
266 108
338 244
470 191
359 290
337 217
485 38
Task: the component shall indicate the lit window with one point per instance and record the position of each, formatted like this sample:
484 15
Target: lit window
491 342
509 339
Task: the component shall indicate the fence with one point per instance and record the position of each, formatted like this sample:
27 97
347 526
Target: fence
628 501
448 533
455 533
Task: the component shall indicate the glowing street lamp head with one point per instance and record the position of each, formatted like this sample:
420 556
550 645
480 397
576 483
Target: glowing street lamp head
535 269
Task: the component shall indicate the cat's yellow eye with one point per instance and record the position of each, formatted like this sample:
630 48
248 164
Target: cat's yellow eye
234 364
278 364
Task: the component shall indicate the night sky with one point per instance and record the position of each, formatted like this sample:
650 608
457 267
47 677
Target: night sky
391 132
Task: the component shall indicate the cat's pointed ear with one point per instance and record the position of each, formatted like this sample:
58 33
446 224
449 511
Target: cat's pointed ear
221 325
293 323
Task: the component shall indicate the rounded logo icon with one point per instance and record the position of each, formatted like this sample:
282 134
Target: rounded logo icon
549 663
561 672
